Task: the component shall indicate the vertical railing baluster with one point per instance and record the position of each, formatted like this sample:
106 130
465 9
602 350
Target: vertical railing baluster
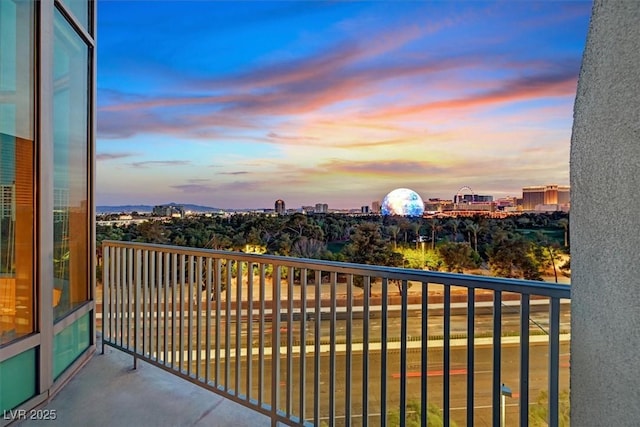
207 366
227 328
152 297
190 278
290 285
198 294
157 311
124 323
303 342
106 295
497 356
316 352
424 351
249 358
554 360
122 278
349 355
365 351
218 293
165 323
119 296
174 307
275 346
446 341
403 351
138 293
261 333
524 359
471 313
125 296
384 341
238 325
181 278
114 279
144 289
130 300
332 351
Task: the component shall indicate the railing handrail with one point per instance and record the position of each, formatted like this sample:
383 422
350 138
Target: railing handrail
527 287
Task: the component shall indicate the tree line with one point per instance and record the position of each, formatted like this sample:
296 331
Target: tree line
519 247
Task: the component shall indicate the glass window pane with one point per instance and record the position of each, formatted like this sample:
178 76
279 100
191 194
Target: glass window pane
70 343
70 182
16 169
80 9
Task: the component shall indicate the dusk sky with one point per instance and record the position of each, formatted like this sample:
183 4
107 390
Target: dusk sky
237 104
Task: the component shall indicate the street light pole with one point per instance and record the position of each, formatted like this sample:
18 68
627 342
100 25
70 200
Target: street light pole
504 392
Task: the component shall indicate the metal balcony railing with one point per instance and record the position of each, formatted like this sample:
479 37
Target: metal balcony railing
309 342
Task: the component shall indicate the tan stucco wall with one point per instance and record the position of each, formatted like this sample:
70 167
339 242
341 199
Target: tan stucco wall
605 222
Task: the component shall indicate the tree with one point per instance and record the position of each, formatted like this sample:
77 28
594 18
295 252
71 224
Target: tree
404 225
564 223
435 226
546 252
153 232
394 230
416 231
417 258
457 256
474 228
454 224
513 257
368 247
308 248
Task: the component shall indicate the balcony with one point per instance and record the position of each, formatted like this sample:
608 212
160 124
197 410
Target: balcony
307 342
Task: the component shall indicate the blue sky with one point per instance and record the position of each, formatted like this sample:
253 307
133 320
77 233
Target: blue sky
237 104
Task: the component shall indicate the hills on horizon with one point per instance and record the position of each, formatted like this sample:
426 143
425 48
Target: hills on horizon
149 208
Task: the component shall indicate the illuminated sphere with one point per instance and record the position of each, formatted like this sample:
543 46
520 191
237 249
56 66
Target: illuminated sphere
403 202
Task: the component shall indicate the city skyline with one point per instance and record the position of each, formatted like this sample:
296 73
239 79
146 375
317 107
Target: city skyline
234 104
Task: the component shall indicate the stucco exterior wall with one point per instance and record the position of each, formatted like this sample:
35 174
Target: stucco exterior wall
605 222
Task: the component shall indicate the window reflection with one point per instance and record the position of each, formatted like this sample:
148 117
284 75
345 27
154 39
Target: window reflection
70 117
16 169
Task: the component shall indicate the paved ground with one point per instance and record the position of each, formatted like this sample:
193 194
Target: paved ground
107 392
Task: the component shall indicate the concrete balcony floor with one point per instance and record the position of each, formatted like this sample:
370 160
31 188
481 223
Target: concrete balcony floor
108 392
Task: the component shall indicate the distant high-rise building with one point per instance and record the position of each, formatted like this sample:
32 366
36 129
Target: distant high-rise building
280 208
364 209
175 211
545 195
472 198
438 205
375 207
321 208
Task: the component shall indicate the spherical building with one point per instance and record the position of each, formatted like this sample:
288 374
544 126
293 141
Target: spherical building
403 202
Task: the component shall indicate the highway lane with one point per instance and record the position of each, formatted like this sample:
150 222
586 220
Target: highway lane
510 369
483 366
483 326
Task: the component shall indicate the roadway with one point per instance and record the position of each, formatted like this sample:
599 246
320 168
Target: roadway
483 377
483 363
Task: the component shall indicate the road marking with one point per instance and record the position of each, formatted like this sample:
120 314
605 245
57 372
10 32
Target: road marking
378 415
434 373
